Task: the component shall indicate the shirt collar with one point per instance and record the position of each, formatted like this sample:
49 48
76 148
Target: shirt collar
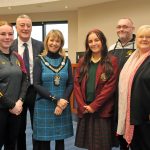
20 42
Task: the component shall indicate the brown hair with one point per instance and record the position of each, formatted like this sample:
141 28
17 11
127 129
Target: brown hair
105 61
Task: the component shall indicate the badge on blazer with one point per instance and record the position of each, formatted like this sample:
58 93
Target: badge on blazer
103 77
1 94
17 63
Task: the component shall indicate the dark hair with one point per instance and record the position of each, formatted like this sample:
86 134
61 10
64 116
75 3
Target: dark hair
105 61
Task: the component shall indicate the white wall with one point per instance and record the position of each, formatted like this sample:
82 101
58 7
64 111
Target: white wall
103 16
70 16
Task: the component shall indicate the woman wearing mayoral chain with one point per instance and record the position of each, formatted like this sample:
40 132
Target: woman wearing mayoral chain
54 84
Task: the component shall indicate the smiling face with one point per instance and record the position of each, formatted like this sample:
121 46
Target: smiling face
94 43
6 37
54 41
143 39
53 44
124 30
24 28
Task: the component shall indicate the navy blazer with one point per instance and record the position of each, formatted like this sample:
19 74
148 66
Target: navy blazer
37 47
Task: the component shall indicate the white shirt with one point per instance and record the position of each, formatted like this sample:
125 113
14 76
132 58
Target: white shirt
21 51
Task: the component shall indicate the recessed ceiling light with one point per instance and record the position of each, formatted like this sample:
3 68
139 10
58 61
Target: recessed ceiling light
9 7
39 6
66 6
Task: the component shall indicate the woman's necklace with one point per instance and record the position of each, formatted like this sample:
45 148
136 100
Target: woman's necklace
95 60
56 79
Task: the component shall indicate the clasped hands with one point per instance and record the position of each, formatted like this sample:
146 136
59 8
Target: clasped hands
61 105
88 109
17 109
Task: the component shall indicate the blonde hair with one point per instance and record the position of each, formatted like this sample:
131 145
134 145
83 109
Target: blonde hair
143 28
3 22
54 34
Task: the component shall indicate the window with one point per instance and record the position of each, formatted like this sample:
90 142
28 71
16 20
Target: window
63 28
40 30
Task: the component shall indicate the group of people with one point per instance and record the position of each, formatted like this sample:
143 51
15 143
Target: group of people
35 77
111 87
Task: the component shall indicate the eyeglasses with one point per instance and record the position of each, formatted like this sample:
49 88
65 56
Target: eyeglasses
123 27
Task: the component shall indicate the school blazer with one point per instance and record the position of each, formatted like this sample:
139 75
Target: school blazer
104 90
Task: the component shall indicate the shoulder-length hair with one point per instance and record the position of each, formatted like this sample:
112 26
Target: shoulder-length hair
54 34
105 61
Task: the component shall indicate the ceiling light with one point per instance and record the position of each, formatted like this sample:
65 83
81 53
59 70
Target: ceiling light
9 7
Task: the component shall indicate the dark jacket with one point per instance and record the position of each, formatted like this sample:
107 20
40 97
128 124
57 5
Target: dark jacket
37 47
13 79
140 94
123 52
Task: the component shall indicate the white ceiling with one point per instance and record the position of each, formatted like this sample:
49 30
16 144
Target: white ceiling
33 6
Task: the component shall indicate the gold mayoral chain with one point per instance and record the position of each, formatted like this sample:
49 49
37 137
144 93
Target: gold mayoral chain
57 78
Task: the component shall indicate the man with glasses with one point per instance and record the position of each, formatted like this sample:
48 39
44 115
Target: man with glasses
125 44
28 48
122 49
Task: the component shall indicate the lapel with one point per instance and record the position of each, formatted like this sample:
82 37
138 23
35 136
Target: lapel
34 48
143 66
98 74
99 71
14 45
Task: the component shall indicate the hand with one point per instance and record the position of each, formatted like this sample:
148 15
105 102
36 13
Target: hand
19 103
58 111
85 111
89 109
17 109
62 103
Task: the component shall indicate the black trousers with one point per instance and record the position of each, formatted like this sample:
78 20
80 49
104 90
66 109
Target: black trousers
28 105
141 137
9 128
45 145
123 143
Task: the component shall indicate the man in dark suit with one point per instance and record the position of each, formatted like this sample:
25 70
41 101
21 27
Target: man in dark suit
23 43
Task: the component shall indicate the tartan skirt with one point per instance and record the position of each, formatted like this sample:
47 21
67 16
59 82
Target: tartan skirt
93 132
